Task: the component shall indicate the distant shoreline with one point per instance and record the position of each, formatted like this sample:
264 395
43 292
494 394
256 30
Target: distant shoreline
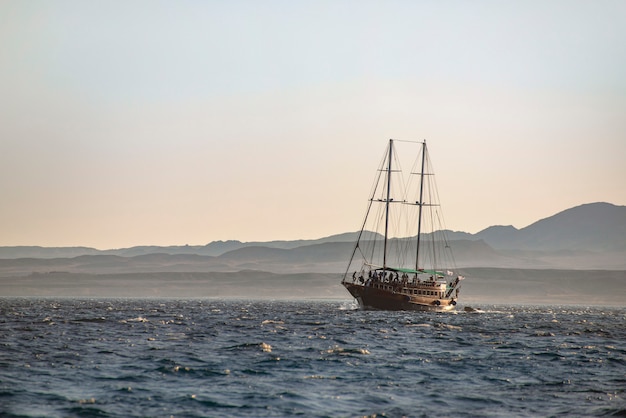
483 286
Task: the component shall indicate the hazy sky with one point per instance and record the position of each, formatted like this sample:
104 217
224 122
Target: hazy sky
182 122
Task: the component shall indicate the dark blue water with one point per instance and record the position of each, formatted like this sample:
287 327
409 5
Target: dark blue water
197 358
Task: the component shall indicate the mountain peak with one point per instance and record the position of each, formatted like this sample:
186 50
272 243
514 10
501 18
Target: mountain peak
498 229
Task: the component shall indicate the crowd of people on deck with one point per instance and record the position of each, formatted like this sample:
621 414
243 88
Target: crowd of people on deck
389 277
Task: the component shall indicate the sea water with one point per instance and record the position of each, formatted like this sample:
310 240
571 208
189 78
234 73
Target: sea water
215 358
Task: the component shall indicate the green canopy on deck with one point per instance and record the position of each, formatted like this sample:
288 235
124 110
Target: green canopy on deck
412 271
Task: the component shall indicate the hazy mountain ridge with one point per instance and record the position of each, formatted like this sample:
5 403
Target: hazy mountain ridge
576 256
587 236
328 258
594 226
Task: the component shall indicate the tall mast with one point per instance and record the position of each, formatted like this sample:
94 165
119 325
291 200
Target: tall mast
387 203
421 204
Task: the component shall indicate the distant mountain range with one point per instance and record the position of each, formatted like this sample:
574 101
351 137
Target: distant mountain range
587 236
592 227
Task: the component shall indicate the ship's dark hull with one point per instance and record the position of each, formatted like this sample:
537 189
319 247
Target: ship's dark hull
370 298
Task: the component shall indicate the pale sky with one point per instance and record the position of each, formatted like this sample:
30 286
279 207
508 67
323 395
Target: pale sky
183 122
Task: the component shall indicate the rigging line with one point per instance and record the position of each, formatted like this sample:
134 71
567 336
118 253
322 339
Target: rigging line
433 213
387 203
369 207
409 141
421 200
362 255
444 236
375 185
358 240
433 227
412 192
441 221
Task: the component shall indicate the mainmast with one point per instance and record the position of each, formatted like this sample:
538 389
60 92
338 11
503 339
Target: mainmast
387 204
421 204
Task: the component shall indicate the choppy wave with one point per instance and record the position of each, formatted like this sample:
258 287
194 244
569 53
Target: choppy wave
125 358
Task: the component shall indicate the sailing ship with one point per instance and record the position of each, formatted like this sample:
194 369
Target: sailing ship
402 259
